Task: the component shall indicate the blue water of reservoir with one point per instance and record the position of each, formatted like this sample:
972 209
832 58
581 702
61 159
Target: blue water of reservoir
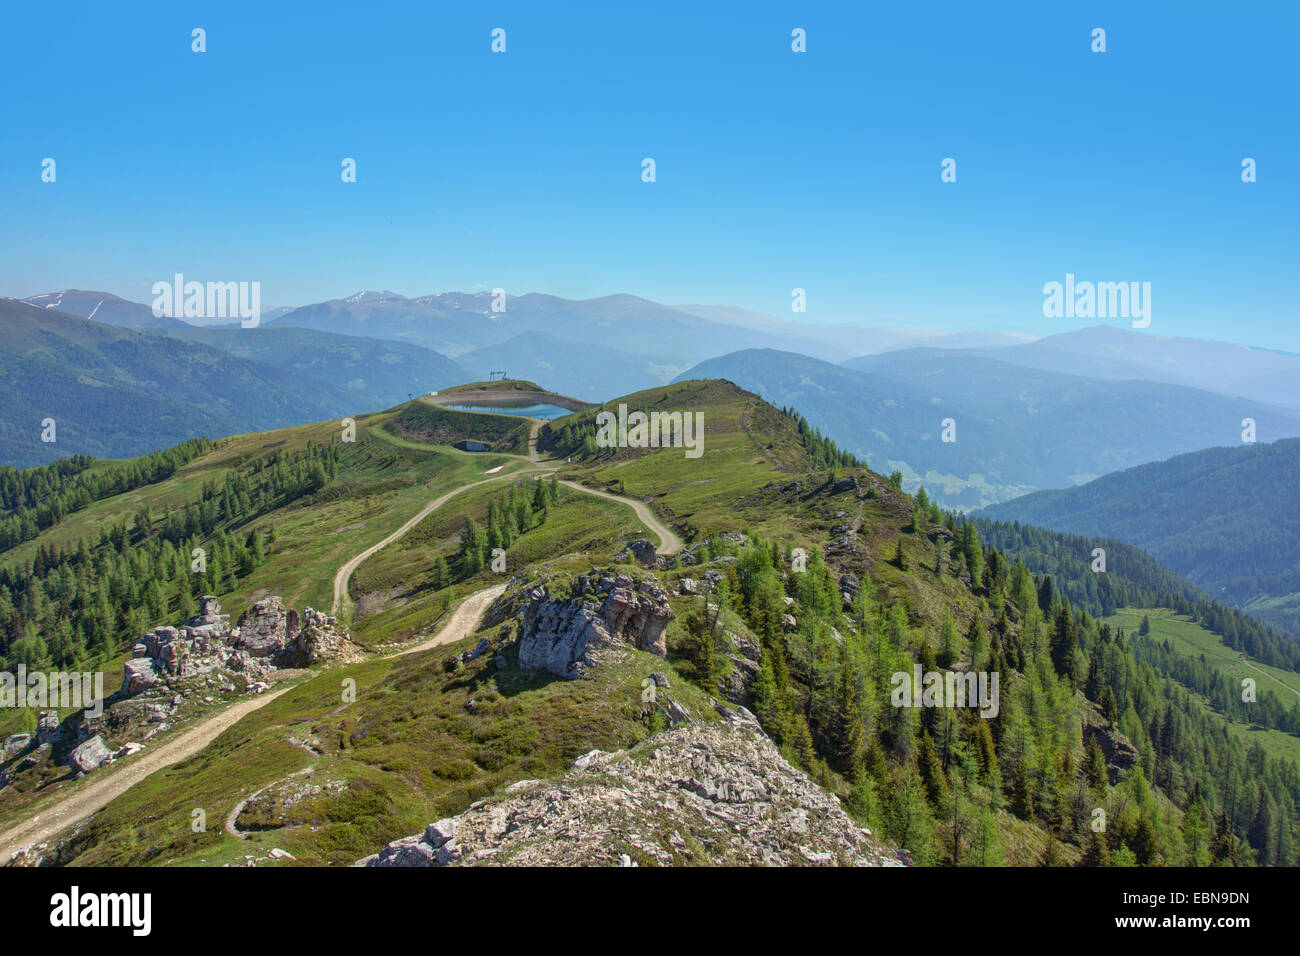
547 412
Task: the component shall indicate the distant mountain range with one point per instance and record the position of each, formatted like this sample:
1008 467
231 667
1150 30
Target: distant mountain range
630 329
1029 415
1224 518
117 392
105 307
455 323
1103 351
372 373
833 342
1016 429
587 371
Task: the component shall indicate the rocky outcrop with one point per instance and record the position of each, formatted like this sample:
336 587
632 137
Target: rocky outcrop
264 628
137 676
561 635
1118 750
90 755
717 793
641 551
47 727
268 636
269 630
313 637
849 483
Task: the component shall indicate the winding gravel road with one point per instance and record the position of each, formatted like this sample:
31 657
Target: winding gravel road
107 784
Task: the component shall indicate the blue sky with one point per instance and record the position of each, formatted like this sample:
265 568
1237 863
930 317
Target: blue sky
774 169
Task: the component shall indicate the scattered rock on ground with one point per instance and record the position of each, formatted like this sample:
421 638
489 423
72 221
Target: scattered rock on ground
717 793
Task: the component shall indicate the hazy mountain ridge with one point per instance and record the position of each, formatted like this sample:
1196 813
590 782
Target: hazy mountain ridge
106 308
588 371
1016 429
1107 352
116 392
376 373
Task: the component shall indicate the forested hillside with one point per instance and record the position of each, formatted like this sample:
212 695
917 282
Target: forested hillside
1224 518
1133 579
1088 719
74 386
806 586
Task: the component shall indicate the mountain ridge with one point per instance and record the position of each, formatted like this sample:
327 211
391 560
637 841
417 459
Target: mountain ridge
1224 518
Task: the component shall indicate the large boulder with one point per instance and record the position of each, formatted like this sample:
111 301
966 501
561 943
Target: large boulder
638 612
263 628
557 635
560 635
314 636
1118 750
209 612
90 755
205 630
47 727
138 676
173 650
639 550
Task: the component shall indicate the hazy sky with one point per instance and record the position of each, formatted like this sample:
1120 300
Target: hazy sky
775 170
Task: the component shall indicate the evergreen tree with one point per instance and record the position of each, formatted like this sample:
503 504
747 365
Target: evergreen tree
1096 853
1095 769
986 842
931 770
948 652
849 728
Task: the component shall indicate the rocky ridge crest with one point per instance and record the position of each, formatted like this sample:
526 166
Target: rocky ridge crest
718 793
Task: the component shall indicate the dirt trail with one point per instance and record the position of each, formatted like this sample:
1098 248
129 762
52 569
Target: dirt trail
462 620
112 782
108 784
233 830
532 440
1271 677
343 574
669 543
97 792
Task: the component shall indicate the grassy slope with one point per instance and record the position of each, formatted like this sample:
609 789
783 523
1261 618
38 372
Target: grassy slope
752 456
747 444
408 751
395 586
432 424
1192 640
382 481
501 385
380 484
